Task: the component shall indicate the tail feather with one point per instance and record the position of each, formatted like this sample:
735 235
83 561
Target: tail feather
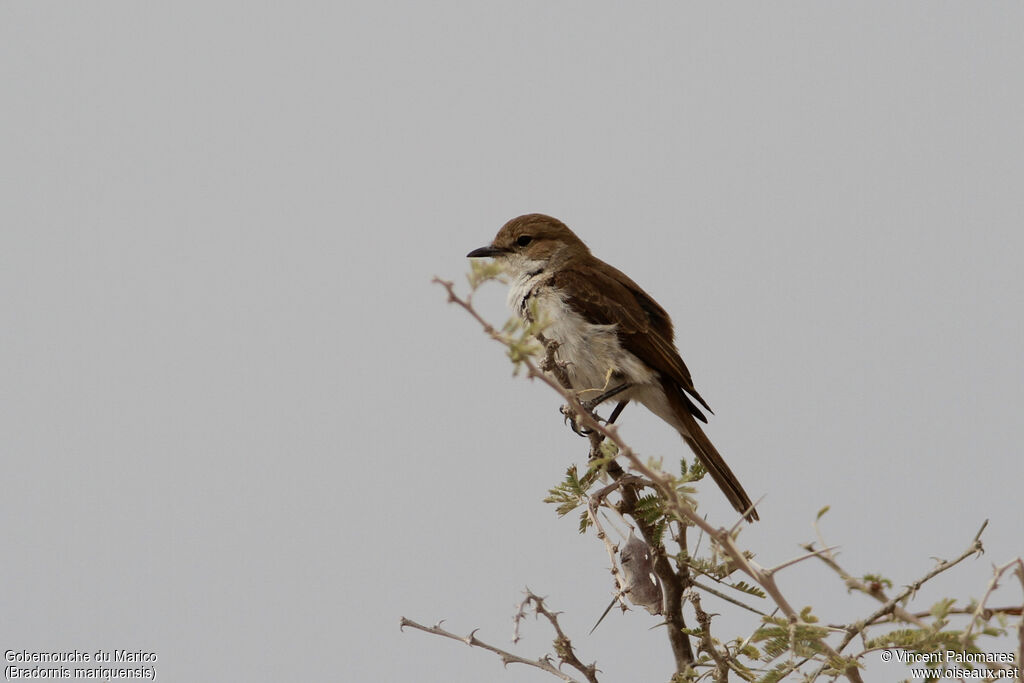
710 458
722 475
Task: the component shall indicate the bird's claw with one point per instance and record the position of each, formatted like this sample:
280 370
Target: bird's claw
570 418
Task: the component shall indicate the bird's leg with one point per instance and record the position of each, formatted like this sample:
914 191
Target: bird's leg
593 403
618 411
615 391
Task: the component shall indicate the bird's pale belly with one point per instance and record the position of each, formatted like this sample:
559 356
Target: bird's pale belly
594 358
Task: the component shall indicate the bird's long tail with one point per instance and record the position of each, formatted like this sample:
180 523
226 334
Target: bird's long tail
709 455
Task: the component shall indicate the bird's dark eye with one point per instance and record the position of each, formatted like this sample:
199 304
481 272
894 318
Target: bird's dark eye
524 240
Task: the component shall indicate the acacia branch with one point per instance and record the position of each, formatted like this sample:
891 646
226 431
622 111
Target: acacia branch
728 598
563 646
721 674
543 663
592 513
1018 570
987 613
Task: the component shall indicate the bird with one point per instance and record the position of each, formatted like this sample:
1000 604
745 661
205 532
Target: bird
613 339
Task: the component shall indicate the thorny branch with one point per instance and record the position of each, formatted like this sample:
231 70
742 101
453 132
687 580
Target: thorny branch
552 373
563 646
1018 570
721 674
543 663
611 548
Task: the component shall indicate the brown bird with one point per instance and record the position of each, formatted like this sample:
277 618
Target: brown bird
615 340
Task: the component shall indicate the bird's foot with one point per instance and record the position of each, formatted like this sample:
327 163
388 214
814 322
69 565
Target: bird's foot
570 416
590 406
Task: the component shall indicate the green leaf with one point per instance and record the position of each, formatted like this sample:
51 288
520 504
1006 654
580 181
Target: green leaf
749 589
806 616
650 508
569 494
584 522
775 675
877 578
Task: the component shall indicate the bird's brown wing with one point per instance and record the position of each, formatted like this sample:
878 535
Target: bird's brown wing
608 296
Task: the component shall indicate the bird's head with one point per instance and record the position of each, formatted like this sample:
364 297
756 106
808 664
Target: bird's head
532 242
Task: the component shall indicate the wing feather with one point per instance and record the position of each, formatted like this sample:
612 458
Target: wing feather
607 296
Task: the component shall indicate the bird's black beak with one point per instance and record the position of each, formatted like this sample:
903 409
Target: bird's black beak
485 251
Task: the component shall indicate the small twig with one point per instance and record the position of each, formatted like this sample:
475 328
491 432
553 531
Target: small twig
727 598
506 657
563 646
721 674
987 613
551 363
801 558
611 548
997 573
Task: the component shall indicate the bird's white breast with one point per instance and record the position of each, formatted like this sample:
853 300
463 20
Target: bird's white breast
595 359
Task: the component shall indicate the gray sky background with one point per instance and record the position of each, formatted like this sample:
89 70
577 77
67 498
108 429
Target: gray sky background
240 428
